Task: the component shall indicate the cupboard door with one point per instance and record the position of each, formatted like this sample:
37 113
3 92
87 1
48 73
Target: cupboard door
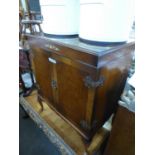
72 92
42 69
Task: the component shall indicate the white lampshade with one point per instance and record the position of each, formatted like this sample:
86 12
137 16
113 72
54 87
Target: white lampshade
106 20
60 17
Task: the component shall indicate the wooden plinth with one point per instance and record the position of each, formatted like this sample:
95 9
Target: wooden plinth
59 132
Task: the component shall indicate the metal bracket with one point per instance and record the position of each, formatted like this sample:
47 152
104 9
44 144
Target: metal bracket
52 47
86 126
54 84
93 84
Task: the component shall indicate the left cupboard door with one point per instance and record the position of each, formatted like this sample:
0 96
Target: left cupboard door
42 70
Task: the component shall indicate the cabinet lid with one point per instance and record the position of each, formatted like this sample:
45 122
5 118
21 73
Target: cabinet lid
93 49
81 49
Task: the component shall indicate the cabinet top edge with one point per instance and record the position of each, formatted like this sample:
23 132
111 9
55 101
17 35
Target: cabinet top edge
75 44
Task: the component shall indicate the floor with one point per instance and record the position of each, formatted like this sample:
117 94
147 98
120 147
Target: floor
32 141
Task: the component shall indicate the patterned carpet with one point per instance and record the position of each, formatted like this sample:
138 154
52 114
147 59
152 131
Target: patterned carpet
32 140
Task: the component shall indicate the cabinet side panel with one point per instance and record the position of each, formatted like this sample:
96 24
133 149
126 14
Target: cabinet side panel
106 101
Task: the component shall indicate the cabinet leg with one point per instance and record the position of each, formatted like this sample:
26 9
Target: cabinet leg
28 91
40 102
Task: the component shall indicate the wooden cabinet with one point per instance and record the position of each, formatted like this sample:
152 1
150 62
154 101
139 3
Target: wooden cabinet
82 83
122 136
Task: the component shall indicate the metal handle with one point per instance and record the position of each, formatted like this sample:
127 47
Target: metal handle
54 84
52 60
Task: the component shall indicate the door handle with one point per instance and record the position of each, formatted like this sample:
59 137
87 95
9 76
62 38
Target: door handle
52 60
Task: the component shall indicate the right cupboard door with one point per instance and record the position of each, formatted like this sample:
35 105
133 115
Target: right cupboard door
74 99
72 93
